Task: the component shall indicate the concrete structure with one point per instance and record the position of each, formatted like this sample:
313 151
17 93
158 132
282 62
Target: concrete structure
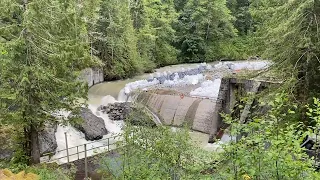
175 109
92 76
200 114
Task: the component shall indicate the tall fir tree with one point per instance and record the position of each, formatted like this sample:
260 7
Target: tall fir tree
116 43
202 25
240 10
153 21
44 45
290 37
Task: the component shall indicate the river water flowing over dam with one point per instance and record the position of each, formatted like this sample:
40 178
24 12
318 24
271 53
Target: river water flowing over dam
111 92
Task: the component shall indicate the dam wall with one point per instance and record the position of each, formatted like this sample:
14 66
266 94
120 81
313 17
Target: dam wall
174 109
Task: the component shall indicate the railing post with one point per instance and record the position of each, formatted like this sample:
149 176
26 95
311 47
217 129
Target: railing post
108 145
65 135
85 161
78 151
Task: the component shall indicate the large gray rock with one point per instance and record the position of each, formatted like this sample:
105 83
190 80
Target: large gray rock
92 126
47 139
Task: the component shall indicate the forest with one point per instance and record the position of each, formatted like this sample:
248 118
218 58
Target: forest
45 44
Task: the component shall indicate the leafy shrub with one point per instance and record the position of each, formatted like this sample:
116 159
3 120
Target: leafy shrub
269 147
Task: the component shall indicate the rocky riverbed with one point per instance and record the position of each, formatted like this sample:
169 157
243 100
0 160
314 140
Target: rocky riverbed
118 111
135 114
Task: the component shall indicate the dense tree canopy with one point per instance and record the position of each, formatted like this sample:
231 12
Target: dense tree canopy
44 45
290 36
202 26
116 42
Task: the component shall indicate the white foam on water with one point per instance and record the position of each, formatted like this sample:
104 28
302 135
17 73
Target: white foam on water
107 100
113 127
76 138
187 80
209 89
242 65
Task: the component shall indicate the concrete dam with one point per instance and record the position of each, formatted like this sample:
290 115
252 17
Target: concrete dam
177 109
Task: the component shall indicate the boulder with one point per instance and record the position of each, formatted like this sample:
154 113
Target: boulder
92 126
47 139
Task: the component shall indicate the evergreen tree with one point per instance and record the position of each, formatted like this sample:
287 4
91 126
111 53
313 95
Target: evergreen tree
240 10
153 22
180 4
44 45
202 26
292 40
116 41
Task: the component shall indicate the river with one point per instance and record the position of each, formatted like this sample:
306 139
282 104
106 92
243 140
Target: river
97 92
108 92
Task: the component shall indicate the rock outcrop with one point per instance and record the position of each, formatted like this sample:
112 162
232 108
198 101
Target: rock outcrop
47 139
92 126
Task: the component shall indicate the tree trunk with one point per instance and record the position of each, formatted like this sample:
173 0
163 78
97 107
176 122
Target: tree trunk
35 149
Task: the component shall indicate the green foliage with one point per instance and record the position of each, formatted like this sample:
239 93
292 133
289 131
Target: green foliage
240 10
44 46
139 116
202 26
269 147
153 23
49 172
289 35
158 153
237 48
116 42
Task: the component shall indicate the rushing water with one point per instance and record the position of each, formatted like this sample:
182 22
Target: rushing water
108 92
99 94
99 91
114 87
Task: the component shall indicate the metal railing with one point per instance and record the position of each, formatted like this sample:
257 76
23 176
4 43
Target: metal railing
80 151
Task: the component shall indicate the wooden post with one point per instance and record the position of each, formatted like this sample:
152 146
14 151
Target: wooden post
65 135
85 161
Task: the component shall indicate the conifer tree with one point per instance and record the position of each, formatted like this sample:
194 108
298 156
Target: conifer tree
153 21
240 10
44 45
291 38
202 25
116 41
